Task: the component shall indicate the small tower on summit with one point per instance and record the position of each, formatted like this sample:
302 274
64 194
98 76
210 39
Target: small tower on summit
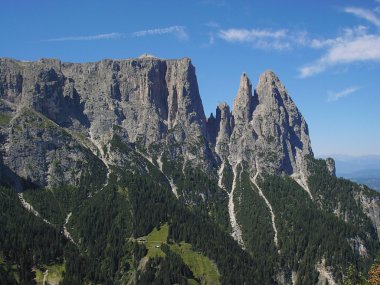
242 109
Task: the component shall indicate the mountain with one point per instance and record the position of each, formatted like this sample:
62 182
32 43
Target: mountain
360 169
115 164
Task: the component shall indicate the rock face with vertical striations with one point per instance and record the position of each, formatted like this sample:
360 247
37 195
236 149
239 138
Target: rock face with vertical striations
156 104
265 127
279 122
153 103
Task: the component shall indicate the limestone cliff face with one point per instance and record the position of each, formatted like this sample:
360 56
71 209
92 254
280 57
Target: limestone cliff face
41 152
153 103
242 138
279 122
330 163
371 208
156 105
265 128
225 124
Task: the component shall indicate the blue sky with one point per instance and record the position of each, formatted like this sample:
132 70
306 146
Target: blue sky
327 53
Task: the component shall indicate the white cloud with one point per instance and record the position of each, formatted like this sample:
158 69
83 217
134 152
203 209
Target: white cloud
364 48
335 96
87 38
345 50
365 14
354 45
348 34
244 35
178 31
280 39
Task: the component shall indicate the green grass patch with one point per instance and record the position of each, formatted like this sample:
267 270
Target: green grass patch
203 268
155 239
54 274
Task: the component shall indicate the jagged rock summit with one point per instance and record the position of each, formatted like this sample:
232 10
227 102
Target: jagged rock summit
265 128
156 104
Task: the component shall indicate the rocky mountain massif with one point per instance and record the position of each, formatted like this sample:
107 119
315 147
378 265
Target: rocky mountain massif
103 153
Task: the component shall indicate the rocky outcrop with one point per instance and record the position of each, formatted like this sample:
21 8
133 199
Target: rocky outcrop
44 154
325 273
156 104
279 122
330 163
371 207
265 126
225 124
243 139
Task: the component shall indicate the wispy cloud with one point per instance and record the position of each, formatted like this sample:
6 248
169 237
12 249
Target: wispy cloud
354 46
87 38
210 42
211 39
335 96
244 35
364 14
280 39
212 24
178 31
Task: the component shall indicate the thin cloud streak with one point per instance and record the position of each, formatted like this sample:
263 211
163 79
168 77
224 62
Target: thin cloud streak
178 31
364 14
335 96
211 41
264 38
245 35
212 24
108 36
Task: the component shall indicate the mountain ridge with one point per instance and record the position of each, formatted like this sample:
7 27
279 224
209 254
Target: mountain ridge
118 129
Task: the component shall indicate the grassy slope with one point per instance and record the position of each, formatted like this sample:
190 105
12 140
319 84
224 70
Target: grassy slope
54 274
156 238
202 267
